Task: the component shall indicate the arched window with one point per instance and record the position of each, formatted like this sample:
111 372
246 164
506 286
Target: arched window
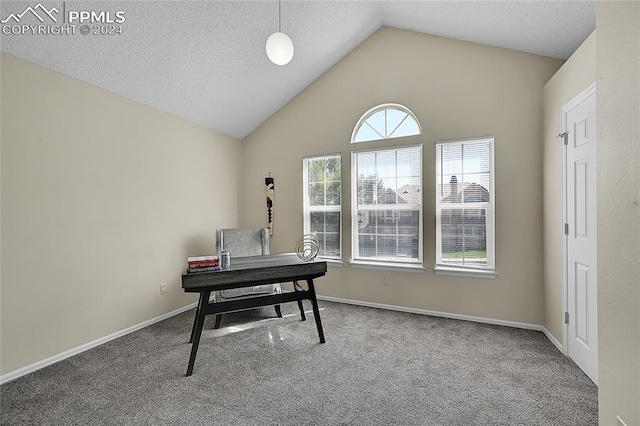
386 121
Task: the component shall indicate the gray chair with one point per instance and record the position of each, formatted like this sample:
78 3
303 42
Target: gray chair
241 242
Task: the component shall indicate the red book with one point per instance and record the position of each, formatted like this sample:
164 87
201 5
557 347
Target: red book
203 264
202 261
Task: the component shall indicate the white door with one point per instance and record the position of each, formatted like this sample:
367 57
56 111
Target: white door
582 305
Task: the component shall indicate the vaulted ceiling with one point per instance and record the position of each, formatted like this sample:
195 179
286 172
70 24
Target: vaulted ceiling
206 61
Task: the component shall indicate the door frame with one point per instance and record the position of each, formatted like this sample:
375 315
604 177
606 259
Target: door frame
579 98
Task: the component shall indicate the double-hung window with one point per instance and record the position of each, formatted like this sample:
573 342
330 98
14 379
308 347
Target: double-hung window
387 207
465 206
322 203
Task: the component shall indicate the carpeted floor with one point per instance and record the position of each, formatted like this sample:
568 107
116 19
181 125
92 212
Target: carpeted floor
377 368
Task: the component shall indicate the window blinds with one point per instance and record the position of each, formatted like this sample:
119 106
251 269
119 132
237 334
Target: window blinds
387 205
465 200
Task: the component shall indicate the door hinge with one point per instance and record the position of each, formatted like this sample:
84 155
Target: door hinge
565 137
566 229
566 317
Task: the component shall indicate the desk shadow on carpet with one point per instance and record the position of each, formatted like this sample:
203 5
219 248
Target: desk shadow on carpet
377 367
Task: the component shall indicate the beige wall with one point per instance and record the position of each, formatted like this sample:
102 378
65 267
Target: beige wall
618 121
102 200
457 90
575 75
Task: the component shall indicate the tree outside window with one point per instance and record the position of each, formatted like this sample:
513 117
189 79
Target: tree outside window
322 202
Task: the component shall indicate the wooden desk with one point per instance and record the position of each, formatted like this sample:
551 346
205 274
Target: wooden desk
247 272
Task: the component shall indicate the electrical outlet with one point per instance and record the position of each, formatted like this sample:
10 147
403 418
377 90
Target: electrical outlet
387 280
163 288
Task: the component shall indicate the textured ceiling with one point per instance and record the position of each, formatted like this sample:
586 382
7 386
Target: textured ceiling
205 61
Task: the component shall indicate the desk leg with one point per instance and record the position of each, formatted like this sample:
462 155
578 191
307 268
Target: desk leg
204 301
297 287
195 320
316 311
218 321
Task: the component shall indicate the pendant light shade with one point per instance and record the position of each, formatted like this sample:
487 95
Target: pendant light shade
279 46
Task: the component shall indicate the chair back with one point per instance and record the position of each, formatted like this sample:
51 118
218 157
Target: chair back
240 242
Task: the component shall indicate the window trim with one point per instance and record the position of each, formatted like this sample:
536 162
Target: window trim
368 263
381 107
388 266
470 271
464 272
306 207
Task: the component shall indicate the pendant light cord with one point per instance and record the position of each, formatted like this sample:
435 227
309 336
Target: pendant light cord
279 18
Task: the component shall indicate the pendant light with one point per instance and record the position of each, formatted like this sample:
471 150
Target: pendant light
279 46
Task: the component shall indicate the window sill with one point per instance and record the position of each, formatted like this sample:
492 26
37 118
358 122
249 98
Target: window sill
469 273
403 267
331 262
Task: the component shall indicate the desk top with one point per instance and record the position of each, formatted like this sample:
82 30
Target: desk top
255 270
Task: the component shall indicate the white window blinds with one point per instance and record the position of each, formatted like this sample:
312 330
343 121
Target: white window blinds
465 205
387 205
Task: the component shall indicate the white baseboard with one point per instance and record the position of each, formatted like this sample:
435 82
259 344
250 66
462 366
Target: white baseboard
493 321
12 375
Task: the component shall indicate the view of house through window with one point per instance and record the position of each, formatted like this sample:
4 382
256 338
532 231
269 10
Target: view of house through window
386 194
465 204
322 202
386 188
387 205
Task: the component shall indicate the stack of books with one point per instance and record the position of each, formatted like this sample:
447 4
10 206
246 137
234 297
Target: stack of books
202 264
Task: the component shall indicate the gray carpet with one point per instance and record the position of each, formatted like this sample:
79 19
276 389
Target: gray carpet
377 367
